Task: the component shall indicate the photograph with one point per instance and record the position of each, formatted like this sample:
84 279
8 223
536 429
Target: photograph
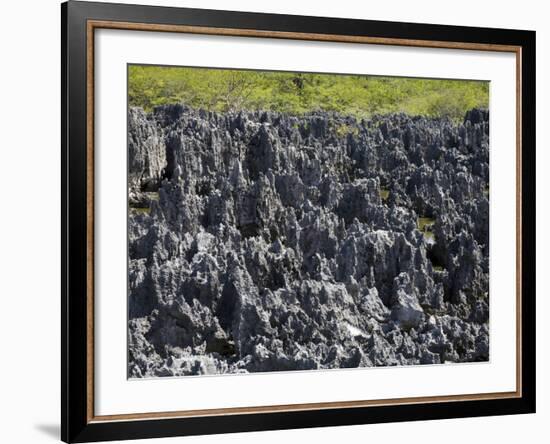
281 221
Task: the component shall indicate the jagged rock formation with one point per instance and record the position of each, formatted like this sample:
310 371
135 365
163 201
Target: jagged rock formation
267 242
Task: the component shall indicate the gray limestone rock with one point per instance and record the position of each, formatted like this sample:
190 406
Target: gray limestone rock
266 242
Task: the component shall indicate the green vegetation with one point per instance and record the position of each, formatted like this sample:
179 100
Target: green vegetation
384 194
152 195
144 206
344 129
425 225
145 210
298 93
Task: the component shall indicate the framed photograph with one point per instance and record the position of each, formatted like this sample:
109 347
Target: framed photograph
275 221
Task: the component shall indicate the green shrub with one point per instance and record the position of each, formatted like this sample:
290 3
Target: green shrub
299 93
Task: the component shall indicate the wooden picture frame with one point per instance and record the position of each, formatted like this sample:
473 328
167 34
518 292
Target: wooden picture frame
79 22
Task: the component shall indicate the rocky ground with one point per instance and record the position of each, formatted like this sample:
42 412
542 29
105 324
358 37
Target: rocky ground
266 242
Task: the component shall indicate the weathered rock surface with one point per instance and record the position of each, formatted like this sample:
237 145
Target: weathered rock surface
266 242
